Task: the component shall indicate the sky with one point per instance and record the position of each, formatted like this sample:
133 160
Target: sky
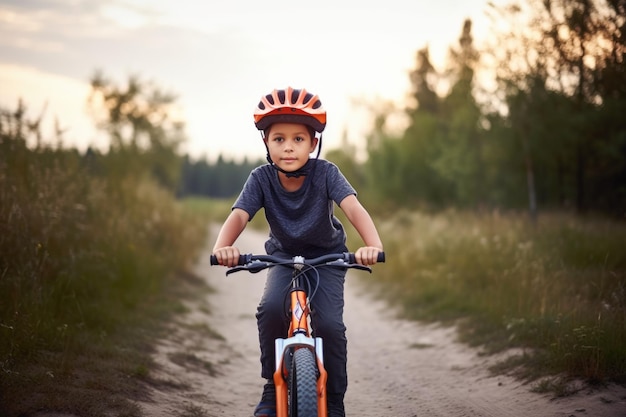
219 58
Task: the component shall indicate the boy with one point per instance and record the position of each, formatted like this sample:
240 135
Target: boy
298 193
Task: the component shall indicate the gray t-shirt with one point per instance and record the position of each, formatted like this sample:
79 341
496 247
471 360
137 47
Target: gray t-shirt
301 222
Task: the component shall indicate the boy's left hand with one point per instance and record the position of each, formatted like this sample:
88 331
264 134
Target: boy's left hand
367 255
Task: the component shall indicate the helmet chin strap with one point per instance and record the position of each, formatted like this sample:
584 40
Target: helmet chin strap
293 174
299 172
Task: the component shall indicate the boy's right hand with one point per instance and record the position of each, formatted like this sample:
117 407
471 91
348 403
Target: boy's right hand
227 256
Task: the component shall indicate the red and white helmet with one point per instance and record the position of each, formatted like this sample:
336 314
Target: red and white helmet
290 106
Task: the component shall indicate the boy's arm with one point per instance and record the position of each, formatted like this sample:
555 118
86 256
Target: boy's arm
224 251
364 225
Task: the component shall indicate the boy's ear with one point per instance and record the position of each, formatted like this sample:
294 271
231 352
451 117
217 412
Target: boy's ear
314 142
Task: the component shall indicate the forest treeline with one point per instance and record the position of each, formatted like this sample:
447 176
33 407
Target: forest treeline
220 179
535 119
551 132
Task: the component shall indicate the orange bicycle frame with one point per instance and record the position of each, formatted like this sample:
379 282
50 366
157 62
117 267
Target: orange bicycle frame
299 337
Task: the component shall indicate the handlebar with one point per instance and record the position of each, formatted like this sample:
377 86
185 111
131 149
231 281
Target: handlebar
256 263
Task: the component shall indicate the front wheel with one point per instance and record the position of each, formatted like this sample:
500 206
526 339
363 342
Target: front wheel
302 384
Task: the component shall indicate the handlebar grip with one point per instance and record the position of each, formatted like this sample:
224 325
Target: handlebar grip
352 258
243 259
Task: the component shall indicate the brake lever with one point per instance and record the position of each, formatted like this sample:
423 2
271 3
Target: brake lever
253 267
343 264
235 269
361 267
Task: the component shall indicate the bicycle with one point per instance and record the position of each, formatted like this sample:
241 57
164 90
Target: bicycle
299 376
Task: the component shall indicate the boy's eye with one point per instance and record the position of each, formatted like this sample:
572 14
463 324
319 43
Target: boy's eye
299 139
278 139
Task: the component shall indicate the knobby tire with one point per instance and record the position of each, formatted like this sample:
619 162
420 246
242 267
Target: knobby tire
302 384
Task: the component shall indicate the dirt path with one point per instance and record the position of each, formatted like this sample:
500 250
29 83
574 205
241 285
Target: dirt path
396 368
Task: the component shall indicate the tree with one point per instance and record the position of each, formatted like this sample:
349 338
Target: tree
420 146
344 157
144 136
460 158
566 65
384 171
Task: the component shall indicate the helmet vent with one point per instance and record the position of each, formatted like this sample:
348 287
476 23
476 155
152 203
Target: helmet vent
294 95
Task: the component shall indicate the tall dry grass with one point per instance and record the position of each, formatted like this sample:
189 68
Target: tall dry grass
85 260
558 289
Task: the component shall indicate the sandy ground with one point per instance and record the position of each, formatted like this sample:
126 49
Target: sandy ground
396 368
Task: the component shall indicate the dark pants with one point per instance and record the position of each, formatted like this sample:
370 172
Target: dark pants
326 322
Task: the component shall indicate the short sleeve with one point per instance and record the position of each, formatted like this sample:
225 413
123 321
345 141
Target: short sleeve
251 196
337 184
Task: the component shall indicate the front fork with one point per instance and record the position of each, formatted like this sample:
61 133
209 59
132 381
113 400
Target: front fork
282 349
299 338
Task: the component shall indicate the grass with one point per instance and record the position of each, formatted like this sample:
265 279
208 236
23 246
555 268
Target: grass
208 208
96 374
90 269
219 209
557 290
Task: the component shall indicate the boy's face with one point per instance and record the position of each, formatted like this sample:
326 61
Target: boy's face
289 145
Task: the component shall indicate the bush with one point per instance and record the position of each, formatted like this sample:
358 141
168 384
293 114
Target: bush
82 254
